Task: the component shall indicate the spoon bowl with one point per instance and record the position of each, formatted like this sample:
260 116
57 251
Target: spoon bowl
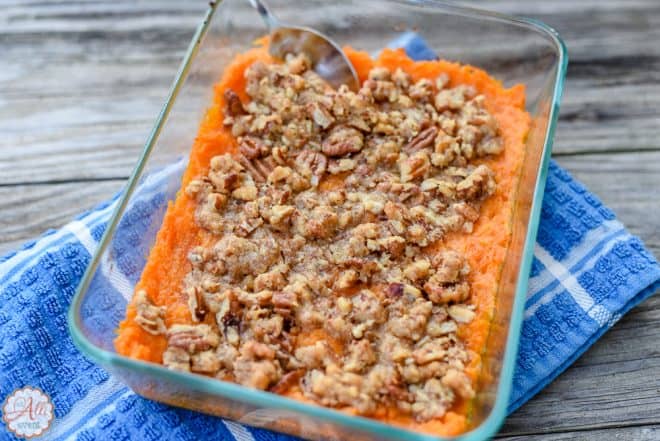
326 57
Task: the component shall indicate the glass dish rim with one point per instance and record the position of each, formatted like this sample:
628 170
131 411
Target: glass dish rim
493 421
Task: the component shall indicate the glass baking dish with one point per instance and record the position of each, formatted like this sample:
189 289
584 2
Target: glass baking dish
511 49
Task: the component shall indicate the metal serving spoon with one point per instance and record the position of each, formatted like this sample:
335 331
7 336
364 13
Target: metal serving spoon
327 59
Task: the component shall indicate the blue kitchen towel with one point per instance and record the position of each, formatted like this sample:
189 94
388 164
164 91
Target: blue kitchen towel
587 272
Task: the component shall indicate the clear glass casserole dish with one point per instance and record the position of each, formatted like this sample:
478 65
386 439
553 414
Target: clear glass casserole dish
510 49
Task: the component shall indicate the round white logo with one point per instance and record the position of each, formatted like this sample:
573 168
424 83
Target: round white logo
27 412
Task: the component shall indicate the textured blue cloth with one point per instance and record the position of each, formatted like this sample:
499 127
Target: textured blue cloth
587 272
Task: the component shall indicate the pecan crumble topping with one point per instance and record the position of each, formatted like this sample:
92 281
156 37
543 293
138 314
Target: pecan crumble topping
322 220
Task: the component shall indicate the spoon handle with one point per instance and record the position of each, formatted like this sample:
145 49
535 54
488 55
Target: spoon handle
271 21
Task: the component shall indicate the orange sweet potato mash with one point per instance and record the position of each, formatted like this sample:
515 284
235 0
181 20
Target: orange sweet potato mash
485 248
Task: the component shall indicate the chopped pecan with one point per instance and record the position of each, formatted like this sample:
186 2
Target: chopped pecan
442 293
148 316
433 350
225 164
245 192
478 184
205 362
401 78
408 318
279 174
258 374
367 306
233 104
272 280
322 223
208 213
430 401
285 301
417 270
242 256
394 290
450 266
380 74
342 165
422 90
461 313
313 356
459 382
347 279
287 381
334 387
195 187
255 299
224 182
382 90
255 350
394 245
320 114
415 167
360 357
196 303
452 99
177 359
247 222
279 214
490 145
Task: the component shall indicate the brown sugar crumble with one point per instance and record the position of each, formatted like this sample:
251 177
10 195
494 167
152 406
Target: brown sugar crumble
295 257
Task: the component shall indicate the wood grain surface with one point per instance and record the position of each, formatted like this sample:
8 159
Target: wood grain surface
81 83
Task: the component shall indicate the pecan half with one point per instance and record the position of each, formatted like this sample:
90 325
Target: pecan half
259 169
192 338
425 138
252 147
343 140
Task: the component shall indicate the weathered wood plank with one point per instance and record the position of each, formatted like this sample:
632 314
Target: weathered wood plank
628 183
98 73
641 433
615 383
612 88
26 211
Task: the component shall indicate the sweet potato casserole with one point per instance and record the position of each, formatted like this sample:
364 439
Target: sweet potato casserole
339 247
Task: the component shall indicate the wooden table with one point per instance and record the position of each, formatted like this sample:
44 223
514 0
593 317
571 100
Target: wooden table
81 84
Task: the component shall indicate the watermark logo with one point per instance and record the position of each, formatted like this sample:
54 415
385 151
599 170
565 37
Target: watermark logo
27 412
